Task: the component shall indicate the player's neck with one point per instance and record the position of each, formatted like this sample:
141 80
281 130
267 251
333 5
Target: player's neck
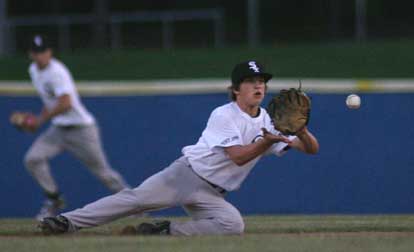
44 65
251 110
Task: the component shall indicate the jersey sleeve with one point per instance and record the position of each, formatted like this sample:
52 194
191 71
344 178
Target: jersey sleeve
60 83
30 70
221 132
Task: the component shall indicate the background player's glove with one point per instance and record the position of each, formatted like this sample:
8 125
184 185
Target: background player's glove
24 121
289 110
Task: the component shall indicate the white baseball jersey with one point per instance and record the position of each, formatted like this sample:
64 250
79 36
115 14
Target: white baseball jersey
53 81
227 126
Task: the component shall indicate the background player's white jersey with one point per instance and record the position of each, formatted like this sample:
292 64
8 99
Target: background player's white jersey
53 81
227 126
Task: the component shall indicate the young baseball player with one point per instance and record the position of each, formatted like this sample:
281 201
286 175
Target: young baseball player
72 129
237 135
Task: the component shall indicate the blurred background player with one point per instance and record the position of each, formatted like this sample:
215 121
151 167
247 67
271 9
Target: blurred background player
72 129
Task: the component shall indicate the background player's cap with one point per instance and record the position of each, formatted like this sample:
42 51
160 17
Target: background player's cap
248 69
39 44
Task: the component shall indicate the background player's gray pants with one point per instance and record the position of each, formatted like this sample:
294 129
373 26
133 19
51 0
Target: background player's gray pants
84 143
177 185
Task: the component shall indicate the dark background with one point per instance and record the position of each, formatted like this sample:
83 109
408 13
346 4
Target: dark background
280 21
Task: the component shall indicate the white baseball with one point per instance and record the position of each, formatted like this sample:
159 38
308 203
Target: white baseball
353 101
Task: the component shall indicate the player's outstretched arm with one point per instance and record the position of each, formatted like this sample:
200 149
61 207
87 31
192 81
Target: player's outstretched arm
305 142
242 154
63 105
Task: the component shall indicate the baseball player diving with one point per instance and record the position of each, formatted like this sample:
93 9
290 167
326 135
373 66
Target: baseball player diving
72 129
237 135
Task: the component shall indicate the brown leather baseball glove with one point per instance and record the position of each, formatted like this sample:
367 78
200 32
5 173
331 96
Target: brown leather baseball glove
24 121
289 110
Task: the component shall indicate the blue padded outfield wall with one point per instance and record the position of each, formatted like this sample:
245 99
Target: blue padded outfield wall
365 164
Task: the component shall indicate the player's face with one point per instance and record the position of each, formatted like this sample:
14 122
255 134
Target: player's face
42 59
252 91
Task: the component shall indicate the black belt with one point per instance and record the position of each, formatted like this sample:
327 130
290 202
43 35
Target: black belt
218 188
68 127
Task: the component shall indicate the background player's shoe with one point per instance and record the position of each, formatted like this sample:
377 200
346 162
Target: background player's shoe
50 208
156 228
56 225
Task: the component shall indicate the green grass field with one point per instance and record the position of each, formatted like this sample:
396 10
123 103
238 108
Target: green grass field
374 59
263 233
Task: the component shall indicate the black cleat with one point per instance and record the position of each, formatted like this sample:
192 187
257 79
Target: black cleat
161 227
156 228
54 225
50 208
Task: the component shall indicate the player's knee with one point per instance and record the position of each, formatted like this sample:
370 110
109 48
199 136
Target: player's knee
234 225
31 161
237 227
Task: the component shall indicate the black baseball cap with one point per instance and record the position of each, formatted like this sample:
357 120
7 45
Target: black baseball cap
39 44
248 69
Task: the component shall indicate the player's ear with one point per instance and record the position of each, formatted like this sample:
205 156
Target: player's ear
236 92
49 52
232 95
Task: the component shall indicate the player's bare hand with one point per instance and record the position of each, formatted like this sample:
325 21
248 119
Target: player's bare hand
267 136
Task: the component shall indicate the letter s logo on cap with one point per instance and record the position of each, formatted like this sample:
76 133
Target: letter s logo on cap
253 66
38 40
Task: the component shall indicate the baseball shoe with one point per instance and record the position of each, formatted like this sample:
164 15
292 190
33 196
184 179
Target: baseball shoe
55 225
50 208
156 228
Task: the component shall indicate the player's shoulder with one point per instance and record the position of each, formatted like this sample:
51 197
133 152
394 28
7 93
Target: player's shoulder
32 68
264 113
57 65
265 116
57 68
221 115
223 109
